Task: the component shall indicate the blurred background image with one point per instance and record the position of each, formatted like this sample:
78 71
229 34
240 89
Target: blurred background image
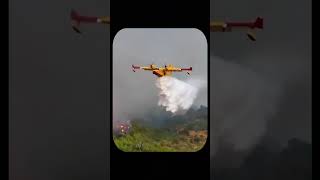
261 92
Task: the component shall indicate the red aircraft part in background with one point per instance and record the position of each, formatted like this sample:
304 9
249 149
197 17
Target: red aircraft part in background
215 26
78 19
257 24
229 26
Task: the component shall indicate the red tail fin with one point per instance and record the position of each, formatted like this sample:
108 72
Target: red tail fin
258 23
74 15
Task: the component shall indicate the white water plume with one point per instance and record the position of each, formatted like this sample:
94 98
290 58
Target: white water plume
175 95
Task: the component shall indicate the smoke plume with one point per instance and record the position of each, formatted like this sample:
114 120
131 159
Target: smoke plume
242 103
177 96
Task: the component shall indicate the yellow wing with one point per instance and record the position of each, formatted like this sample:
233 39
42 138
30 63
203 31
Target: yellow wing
150 68
170 67
147 68
174 69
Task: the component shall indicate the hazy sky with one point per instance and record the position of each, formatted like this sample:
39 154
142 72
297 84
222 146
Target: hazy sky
135 93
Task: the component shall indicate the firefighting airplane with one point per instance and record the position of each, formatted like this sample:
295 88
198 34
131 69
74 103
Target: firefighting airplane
167 70
214 26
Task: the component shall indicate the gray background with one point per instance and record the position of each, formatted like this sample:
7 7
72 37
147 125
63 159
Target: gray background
58 84
58 92
281 59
